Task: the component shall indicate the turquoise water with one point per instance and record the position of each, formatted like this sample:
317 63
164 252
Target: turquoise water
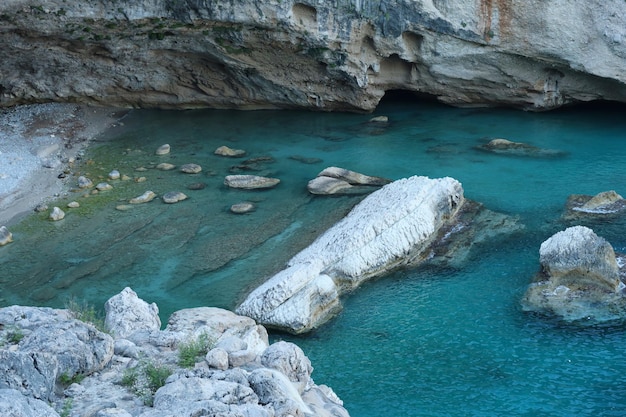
432 341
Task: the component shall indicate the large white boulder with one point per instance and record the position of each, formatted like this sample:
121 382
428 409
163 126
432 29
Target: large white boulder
390 227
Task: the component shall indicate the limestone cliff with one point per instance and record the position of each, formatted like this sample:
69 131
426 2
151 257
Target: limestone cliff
326 55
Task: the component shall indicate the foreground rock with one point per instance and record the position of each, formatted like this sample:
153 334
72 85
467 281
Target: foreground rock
601 205
580 279
5 236
210 361
391 227
334 180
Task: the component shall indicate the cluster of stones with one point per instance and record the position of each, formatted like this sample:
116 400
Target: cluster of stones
240 373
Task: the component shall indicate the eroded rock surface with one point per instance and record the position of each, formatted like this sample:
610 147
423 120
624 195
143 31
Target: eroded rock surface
340 55
581 278
392 226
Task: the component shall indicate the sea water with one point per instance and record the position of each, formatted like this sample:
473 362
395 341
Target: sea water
429 341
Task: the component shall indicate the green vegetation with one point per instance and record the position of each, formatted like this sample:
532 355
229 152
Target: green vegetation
15 335
145 379
86 313
191 351
66 380
67 408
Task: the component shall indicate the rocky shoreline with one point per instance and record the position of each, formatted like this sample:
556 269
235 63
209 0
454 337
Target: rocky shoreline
38 147
206 361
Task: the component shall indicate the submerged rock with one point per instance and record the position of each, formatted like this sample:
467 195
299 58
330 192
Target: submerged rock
5 236
172 197
114 175
391 227
226 151
580 278
84 182
144 198
250 182
163 149
507 147
191 168
607 203
243 207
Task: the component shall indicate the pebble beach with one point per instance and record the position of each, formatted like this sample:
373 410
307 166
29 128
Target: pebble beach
38 145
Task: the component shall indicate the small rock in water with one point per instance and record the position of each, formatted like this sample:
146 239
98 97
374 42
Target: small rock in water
250 182
141 169
226 151
144 198
191 168
163 149
125 177
84 182
104 186
197 186
173 197
165 166
41 208
241 208
57 214
73 204
114 175
123 207
379 119
140 179
5 236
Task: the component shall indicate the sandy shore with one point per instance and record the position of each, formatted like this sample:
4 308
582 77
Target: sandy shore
37 145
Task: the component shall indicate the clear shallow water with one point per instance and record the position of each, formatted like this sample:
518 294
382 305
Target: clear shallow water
423 342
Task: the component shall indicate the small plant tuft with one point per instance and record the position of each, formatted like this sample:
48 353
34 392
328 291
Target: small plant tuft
86 313
15 336
145 379
191 351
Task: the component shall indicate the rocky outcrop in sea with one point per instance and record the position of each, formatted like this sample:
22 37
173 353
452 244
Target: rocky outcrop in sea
404 223
581 279
323 55
207 361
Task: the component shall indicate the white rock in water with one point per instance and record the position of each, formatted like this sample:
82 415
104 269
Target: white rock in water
165 166
389 227
241 208
57 214
250 182
73 204
5 236
173 197
144 198
163 149
191 168
103 186
114 175
84 182
226 151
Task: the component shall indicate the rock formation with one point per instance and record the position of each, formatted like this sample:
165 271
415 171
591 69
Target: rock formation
334 180
207 361
601 205
392 226
339 55
580 278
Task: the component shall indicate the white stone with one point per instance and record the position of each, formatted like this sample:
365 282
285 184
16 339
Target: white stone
389 227
57 214
126 313
73 204
191 168
5 236
172 197
104 186
84 182
144 198
250 182
114 175
163 149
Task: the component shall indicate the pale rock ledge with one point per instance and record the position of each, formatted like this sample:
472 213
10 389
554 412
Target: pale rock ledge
393 226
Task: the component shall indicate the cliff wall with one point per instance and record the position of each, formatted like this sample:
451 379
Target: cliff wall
325 55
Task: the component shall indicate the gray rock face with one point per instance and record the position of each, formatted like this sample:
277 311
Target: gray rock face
126 313
79 347
250 182
334 180
241 375
14 404
528 54
580 278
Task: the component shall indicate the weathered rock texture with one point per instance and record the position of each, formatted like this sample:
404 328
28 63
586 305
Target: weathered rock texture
392 226
333 55
52 364
580 278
